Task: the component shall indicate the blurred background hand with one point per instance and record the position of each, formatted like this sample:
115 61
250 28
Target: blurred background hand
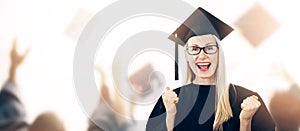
16 59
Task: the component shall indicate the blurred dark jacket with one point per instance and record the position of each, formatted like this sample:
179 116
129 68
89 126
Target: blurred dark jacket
12 112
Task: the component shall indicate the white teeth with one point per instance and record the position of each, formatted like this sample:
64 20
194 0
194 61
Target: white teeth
202 64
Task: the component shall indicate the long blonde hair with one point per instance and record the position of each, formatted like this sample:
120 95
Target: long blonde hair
223 110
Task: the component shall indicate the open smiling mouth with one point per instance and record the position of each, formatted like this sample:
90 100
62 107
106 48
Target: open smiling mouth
203 66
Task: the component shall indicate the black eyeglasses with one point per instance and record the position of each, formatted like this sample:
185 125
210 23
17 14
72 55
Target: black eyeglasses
195 50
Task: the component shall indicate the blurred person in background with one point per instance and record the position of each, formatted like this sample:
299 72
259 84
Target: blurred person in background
12 111
285 109
47 121
109 114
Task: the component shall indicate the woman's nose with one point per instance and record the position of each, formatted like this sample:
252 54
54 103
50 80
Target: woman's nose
202 55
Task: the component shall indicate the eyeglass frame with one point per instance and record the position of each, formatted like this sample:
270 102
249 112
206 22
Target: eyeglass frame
202 48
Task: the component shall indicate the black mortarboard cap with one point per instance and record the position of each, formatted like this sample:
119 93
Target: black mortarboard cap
199 23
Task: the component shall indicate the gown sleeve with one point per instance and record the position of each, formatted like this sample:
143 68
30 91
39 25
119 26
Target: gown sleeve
157 118
262 120
12 112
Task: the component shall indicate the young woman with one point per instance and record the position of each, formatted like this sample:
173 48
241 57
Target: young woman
207 102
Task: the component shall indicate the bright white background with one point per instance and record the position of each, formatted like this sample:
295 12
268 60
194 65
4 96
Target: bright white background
48 28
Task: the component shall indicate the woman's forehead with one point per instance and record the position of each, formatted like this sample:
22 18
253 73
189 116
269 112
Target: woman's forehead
202 40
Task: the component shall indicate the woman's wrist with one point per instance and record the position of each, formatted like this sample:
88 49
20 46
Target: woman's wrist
245 122
170 119
171 113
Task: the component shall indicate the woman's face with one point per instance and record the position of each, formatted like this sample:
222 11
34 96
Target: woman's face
202 64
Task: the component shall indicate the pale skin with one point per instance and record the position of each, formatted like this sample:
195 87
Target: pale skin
249 105
170 99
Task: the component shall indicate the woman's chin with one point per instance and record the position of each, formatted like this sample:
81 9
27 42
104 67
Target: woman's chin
205 76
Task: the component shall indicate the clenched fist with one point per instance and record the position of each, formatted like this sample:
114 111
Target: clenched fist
249 107
170 100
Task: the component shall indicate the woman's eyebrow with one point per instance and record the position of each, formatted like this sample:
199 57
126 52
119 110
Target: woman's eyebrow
206 44
211 43
192 44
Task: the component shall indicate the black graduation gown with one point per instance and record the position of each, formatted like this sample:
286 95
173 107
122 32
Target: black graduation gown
195 110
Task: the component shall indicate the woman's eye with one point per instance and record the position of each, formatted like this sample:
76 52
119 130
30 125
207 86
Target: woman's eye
194 49
209 48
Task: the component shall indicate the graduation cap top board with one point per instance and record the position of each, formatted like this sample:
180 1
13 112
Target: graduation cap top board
199 23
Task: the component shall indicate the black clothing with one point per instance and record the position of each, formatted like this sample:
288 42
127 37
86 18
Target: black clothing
195 110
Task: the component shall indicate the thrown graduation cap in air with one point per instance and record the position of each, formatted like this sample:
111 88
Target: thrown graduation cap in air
199 23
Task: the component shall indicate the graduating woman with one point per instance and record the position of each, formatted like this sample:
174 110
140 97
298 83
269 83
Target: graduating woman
207 102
